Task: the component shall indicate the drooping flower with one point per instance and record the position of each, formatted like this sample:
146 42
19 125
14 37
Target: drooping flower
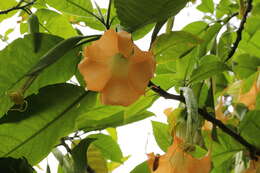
249 98
177 160
117 68
254 167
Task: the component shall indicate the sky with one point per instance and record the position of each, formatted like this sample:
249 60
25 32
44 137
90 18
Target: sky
135 139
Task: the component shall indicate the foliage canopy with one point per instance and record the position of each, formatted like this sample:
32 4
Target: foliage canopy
213 65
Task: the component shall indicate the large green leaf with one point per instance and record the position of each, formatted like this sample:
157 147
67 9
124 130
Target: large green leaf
108 147
142 168
102 117
208 36
224 149
19 57
4 5
50 115
224 45
207 70
96 160
11 165
162 135
79 155
206 6
196 28
55 23
226 7
246 65
173 45
135 14
66 7
250 126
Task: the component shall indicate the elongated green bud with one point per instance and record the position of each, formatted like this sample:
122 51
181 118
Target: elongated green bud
55 54
33 28
33 24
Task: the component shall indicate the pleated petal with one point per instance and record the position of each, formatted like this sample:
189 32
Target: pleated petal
104 48
141 70
118 92
96 75
125 43
178 161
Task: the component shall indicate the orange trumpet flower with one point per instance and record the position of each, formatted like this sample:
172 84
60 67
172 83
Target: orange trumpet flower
254 166
177 160
117 68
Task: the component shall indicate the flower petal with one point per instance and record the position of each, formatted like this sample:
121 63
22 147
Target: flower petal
118 92
141 70
95 74
125 43
104 48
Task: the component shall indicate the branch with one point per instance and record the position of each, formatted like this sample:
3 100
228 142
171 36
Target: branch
240 30
253 150
165 94
18 7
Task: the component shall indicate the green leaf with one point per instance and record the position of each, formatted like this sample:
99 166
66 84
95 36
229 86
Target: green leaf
250 126
185 65
224 45
19 57
206 6
224 149
162 135
196 28
140 33
207 70
96 160
173 45
50 115
207 36
113 165
66 7
112 132
226 7
246 65
65 161
142 168
4 5
79 155
11 165
108 147
135 14
102 117
55 23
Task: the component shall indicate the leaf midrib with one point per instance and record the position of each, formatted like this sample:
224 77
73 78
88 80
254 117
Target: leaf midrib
48 124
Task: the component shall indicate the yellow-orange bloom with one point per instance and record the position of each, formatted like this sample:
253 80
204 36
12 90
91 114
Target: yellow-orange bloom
176 160
117 68
254 167
249 98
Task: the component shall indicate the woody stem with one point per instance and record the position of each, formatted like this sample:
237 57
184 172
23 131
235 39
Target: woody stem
252 149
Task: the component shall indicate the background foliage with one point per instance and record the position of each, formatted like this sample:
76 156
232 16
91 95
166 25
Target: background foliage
216 58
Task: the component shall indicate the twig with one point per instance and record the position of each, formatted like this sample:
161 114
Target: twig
87 11
165 94
18 7
240 30
253 150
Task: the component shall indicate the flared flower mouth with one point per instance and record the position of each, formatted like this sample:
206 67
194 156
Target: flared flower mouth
177 160
117 68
